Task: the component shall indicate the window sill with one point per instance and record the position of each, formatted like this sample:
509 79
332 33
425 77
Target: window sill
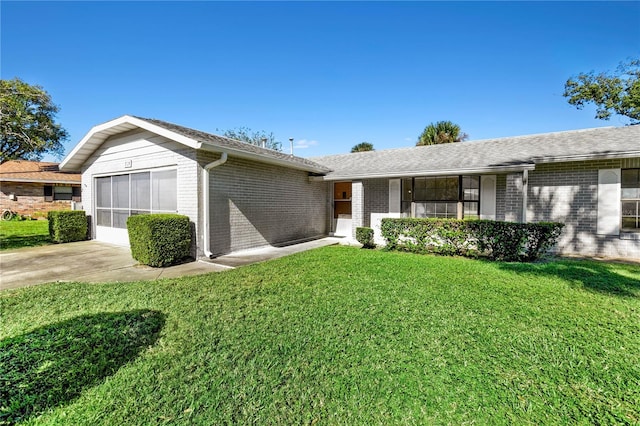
630 235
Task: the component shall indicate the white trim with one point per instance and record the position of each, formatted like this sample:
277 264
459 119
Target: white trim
488 196
407 174
134 171
609 196
111 235
98 134
395 196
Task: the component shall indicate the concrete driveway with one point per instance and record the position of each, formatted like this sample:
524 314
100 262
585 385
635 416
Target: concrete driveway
88 261
94 261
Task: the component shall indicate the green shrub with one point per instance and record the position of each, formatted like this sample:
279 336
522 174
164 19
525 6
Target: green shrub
500 240
364 235
66 226
542 237
497 240
418 235
159 239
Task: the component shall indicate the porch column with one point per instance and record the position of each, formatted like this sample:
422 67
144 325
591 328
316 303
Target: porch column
525 190
357 206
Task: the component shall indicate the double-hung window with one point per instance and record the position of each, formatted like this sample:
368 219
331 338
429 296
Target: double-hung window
630 199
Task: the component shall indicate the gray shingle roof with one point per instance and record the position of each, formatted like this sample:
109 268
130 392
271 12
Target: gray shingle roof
223 142
488 155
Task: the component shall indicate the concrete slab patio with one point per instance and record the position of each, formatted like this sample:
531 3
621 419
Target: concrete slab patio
94 261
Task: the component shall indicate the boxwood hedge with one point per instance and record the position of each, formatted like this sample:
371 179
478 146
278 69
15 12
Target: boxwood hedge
66 226
159 239
494 239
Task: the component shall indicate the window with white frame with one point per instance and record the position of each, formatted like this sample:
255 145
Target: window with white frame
630 199
121 196
436 196
440 196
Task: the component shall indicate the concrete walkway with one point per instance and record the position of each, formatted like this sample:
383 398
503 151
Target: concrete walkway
94 261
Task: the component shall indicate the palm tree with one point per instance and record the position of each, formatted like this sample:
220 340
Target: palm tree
362 147
441 132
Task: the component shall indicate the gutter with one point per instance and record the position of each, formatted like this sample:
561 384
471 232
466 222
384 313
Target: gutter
587 157
268 159
471 171
205 184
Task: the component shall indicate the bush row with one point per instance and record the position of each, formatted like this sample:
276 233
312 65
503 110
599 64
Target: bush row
495 239
159 239
66 226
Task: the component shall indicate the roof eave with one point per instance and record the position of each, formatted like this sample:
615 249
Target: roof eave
588 157
264 159
73 182
441 172
98 134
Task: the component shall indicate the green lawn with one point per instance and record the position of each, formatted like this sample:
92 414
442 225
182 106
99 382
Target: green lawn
23 233
336 335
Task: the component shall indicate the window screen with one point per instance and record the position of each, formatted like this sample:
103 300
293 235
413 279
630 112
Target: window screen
164 192
141 191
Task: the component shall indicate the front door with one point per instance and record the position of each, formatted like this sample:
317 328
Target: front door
342 209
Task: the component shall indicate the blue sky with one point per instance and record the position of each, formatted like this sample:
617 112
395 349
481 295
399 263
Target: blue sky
329 74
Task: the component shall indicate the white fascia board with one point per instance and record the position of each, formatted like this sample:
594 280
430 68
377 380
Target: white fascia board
474 171
261 158
98 134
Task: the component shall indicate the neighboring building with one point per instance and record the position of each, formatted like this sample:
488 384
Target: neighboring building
33 188
242 196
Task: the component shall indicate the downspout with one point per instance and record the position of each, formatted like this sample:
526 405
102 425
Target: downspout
205 185
525 191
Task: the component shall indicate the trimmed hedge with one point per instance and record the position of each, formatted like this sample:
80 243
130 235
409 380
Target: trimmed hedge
159 239
497 240
66 226
364 236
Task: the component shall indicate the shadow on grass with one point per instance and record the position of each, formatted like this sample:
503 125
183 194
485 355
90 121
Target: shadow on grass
590 275
52 365
19 241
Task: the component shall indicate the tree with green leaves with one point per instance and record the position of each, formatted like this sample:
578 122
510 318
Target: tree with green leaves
27 122
362 147
617 92
441 132
245 134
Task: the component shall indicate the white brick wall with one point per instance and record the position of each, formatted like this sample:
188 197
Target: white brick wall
568 193
357 206
255 204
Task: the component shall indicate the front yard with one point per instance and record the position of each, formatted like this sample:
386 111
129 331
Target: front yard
23 233
332 336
